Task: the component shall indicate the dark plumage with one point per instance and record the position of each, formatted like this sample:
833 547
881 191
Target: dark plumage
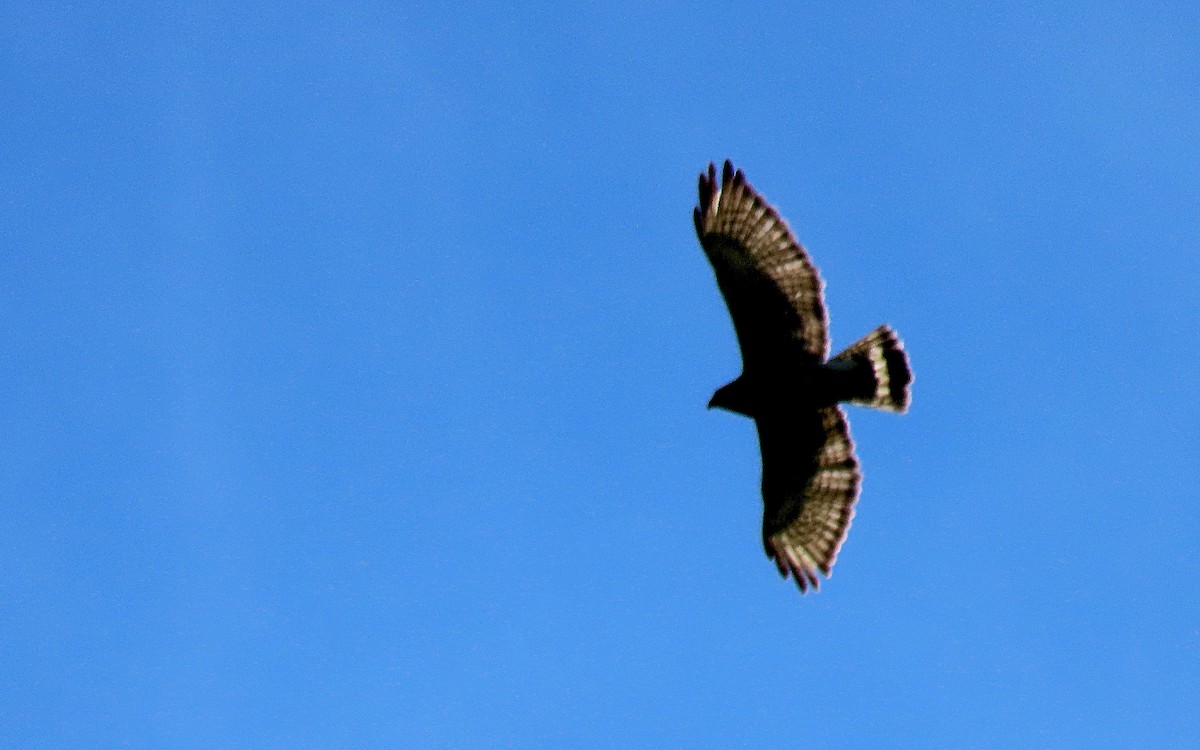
788 385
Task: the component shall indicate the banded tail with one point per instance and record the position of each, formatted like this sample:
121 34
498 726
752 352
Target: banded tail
882 351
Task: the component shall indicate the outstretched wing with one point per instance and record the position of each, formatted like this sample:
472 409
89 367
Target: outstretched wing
769 283
810 485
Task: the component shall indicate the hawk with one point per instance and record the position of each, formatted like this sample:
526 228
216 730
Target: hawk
789 386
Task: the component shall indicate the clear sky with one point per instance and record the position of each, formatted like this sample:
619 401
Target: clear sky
354 362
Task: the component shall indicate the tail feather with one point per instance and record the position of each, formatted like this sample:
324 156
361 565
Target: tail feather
884 351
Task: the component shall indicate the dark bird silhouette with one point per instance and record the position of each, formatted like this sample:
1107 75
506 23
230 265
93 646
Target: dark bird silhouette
789 386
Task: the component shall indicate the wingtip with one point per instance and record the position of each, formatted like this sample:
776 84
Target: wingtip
708 193
805 577
708 182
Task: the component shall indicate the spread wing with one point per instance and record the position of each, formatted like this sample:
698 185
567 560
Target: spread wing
810 485
769 283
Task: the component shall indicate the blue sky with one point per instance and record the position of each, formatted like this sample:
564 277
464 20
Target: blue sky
355 362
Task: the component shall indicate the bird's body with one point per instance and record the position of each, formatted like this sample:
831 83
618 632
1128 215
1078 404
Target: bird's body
788 385
796 384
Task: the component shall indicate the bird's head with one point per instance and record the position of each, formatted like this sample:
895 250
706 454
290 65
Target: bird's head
731 397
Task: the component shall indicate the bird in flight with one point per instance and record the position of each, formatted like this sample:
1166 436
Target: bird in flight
789 386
